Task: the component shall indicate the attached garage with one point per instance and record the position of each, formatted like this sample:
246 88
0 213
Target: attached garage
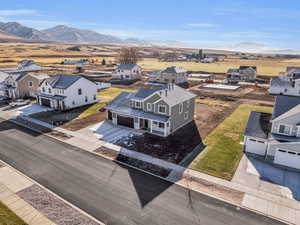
45 102
125 121
255 146
287 158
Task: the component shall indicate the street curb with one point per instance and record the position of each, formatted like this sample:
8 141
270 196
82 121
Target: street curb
238 207
57 196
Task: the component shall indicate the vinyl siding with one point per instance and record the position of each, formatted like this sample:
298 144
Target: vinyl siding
177 118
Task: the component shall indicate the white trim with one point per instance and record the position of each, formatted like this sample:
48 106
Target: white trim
149 107
298 131
180 108
165 113
286 125
135 104
186 115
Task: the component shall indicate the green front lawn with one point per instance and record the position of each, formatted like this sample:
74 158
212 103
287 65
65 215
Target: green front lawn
224 151
110 93
8 217
93 109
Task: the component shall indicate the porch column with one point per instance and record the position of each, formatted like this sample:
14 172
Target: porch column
114 118
165 129
150 124
136 123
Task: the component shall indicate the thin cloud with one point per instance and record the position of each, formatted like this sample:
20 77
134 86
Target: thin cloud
202 25
17 12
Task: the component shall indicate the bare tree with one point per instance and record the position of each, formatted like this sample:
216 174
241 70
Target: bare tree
129 56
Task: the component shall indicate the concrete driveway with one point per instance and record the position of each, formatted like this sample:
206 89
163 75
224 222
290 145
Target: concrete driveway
26 110
112 133
259 174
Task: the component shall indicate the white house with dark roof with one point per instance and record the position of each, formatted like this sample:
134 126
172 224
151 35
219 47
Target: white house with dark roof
173 74
127 72
276 136
286 84
63 92
159 111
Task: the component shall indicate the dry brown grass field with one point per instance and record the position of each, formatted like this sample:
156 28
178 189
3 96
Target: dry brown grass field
267 67
53 54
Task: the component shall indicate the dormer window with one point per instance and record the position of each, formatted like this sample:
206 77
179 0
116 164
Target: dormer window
49 90
284 129
162 109
138 105
149 107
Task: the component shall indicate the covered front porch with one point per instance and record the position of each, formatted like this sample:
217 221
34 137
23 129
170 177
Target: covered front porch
156 125
8 91
55 102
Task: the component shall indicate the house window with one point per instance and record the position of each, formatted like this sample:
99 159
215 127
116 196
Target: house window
186 115
161 125
180 108
149 106
162 109
79 91
73 102
49 90
30 84
86 99
138 105
43 89
155 123
284 129
95 97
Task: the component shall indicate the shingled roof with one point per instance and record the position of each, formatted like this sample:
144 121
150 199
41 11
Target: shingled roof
258 125
62 80
126 66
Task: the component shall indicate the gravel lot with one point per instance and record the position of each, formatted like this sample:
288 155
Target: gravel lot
52 207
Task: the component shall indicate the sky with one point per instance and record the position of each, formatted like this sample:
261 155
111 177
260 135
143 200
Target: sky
203 23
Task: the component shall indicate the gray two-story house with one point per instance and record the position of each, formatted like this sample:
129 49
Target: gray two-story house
276 136
244 73
160 111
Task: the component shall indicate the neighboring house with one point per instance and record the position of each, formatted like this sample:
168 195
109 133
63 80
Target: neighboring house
63 92
276 136
174 74
159 111
76 62
3 77
127 72
28 65
286 84
244 73
21 85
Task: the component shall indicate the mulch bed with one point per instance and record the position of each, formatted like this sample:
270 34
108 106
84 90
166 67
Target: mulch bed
173 148
53 208
153 169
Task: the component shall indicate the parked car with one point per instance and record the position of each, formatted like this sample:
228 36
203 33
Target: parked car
19 102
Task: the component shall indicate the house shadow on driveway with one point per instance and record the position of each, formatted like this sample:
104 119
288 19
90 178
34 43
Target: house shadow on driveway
159 151
8 126
288 180
147 187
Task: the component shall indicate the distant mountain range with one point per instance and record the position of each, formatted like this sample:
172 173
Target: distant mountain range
62 33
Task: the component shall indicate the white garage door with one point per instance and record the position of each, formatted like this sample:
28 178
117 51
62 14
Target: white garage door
255 146
287 158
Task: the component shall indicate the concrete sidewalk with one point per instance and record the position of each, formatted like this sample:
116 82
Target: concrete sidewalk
260 201
12 182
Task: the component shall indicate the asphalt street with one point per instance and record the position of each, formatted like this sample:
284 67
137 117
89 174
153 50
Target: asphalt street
112 193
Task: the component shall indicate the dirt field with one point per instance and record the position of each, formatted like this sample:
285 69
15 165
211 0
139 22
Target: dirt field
208 117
